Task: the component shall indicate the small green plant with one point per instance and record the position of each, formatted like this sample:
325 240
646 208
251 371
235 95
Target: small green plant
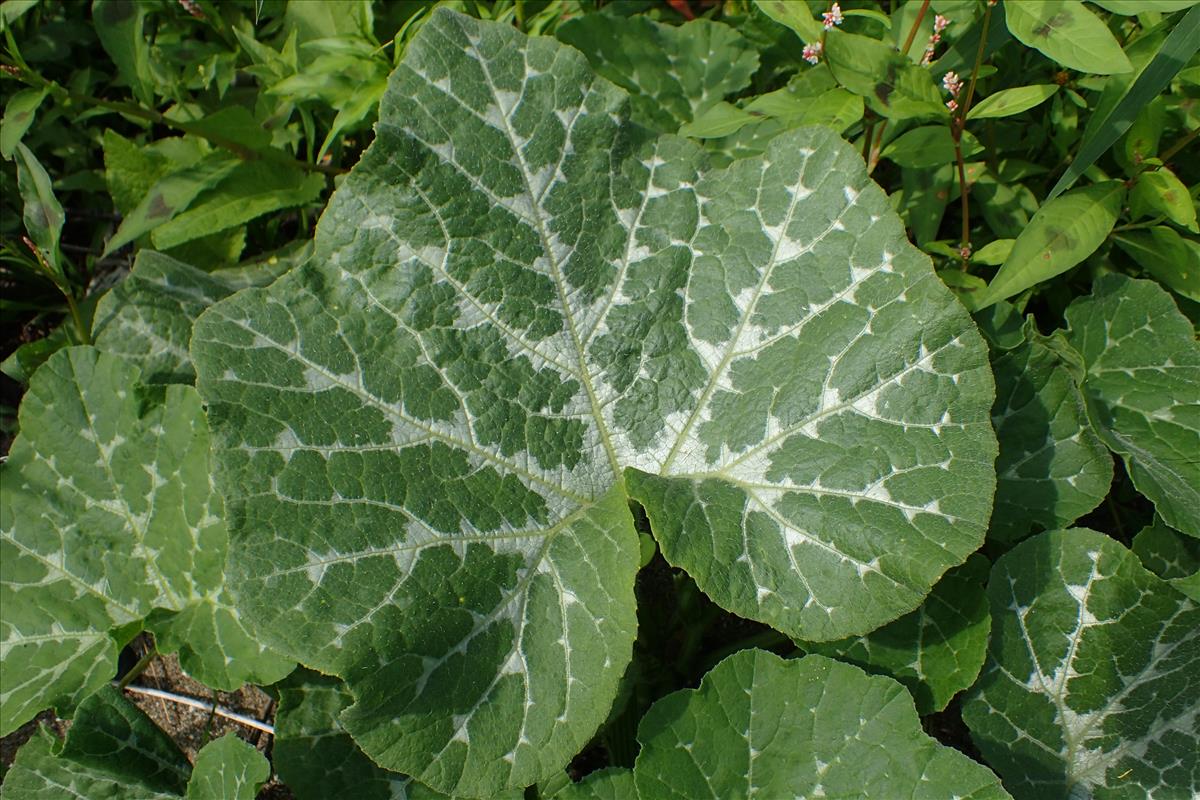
662 406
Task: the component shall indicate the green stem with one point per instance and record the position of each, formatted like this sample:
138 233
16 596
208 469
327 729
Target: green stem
85 335
138 668
965 106
1182 143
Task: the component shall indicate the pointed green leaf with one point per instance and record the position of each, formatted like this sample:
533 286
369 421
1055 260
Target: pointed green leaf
170 196
1160 192
1067 32
937 650
760 726
43 214
108 513
1007 102
889 82
795 16
1092 683
112 750
18 116
1170 258
119 24
249 190
673 74
521 313
228 769
1063 232
717 120
1052 467
1142 388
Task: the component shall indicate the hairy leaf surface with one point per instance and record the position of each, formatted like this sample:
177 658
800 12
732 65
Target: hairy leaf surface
1142 388
522 312
760 726
1092 683
228 769
108 515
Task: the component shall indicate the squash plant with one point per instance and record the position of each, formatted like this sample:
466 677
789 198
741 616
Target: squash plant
572 312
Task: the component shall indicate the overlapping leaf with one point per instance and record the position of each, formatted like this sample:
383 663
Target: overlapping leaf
1052 468
760 726
673 73
108 515
1142 388
114 750
1092 684
521 313
937 650
147 318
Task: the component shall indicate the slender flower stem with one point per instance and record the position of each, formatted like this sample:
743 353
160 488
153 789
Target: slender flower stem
958 123
912 32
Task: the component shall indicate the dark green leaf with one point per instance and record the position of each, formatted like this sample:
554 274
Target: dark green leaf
1170 258
44 216
119 24
1142 387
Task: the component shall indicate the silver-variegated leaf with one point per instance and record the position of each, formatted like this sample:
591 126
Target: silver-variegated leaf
1092 682
524 311
108 518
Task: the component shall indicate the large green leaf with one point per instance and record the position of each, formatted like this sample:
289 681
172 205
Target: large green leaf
1092 684
520 314
1052 468
108 514
1142 387
147 318
113 750
937 650
760 726
673 74
1165 552
228 769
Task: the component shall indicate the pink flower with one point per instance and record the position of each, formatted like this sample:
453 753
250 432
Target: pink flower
832 17
951 83
812 52
940 23
952 105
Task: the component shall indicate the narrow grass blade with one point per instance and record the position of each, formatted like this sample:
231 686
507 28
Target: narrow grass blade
1179 47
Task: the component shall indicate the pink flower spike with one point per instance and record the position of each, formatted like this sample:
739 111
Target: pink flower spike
952 105
832 17
951 83
812 52
940 23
